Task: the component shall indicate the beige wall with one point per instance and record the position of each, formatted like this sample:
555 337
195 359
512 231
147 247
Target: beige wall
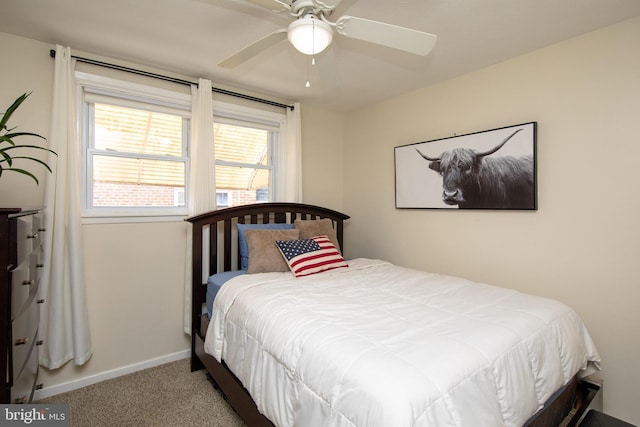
26 67
322 163
134 272
582 245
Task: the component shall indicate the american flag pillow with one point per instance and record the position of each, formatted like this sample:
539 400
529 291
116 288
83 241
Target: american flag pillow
309 256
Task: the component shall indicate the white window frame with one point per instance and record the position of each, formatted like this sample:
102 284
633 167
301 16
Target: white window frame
274 122
162 98
127 94
223 193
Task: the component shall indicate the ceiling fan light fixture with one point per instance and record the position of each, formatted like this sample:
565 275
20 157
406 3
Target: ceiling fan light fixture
310 35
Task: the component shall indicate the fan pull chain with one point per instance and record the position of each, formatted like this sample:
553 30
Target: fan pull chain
313 53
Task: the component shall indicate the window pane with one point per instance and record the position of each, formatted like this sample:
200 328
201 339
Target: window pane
241 144
237 178
131 130
125 181
137 157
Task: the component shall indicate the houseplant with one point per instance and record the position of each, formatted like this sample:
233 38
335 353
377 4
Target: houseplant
8 146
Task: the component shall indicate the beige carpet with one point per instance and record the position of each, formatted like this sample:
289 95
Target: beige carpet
168 395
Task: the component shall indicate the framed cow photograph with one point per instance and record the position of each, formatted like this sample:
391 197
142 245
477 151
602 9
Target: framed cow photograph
493 169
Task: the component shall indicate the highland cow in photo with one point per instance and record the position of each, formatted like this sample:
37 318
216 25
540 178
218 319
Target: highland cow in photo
475 180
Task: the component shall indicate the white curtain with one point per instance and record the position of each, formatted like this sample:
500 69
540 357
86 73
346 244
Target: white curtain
289 176
64 324
202 178
202 188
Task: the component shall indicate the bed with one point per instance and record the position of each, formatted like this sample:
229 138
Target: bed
366 343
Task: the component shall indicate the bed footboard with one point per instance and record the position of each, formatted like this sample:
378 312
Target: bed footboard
566 406
231 388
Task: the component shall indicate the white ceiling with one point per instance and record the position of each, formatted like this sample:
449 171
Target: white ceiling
190 37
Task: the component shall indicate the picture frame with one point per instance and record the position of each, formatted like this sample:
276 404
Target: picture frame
491 169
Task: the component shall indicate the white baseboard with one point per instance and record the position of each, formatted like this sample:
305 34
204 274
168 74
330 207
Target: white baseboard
114 373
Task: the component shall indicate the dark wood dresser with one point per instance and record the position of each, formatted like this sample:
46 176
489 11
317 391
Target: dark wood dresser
20 264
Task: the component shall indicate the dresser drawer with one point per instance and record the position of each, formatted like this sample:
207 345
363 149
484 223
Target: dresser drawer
25 384
37 236
24 338
24 236
25 282
37 226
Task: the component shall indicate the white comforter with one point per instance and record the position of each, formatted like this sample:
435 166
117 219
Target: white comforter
380 345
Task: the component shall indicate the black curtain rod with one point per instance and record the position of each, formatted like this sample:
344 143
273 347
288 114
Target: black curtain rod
52 53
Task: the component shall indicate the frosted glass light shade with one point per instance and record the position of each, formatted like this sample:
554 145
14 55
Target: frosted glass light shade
310 35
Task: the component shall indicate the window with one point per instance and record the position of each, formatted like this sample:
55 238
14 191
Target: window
135 149
244 161
222 199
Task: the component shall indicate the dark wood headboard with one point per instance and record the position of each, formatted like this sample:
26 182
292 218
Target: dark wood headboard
215 242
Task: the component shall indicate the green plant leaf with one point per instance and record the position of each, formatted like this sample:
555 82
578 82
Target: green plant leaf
31 158
7 158
37 147
16 134
8 137
5 139
22 171
7 114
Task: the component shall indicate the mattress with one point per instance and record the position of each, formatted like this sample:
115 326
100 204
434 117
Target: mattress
215 282
380 345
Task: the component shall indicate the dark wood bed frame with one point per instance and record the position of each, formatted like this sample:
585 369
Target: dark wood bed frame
215 250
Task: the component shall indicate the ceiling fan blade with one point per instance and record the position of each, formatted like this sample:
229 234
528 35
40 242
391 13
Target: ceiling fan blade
272 4
327 4
254 48
406 39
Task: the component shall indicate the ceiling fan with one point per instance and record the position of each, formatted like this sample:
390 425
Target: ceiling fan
311 32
